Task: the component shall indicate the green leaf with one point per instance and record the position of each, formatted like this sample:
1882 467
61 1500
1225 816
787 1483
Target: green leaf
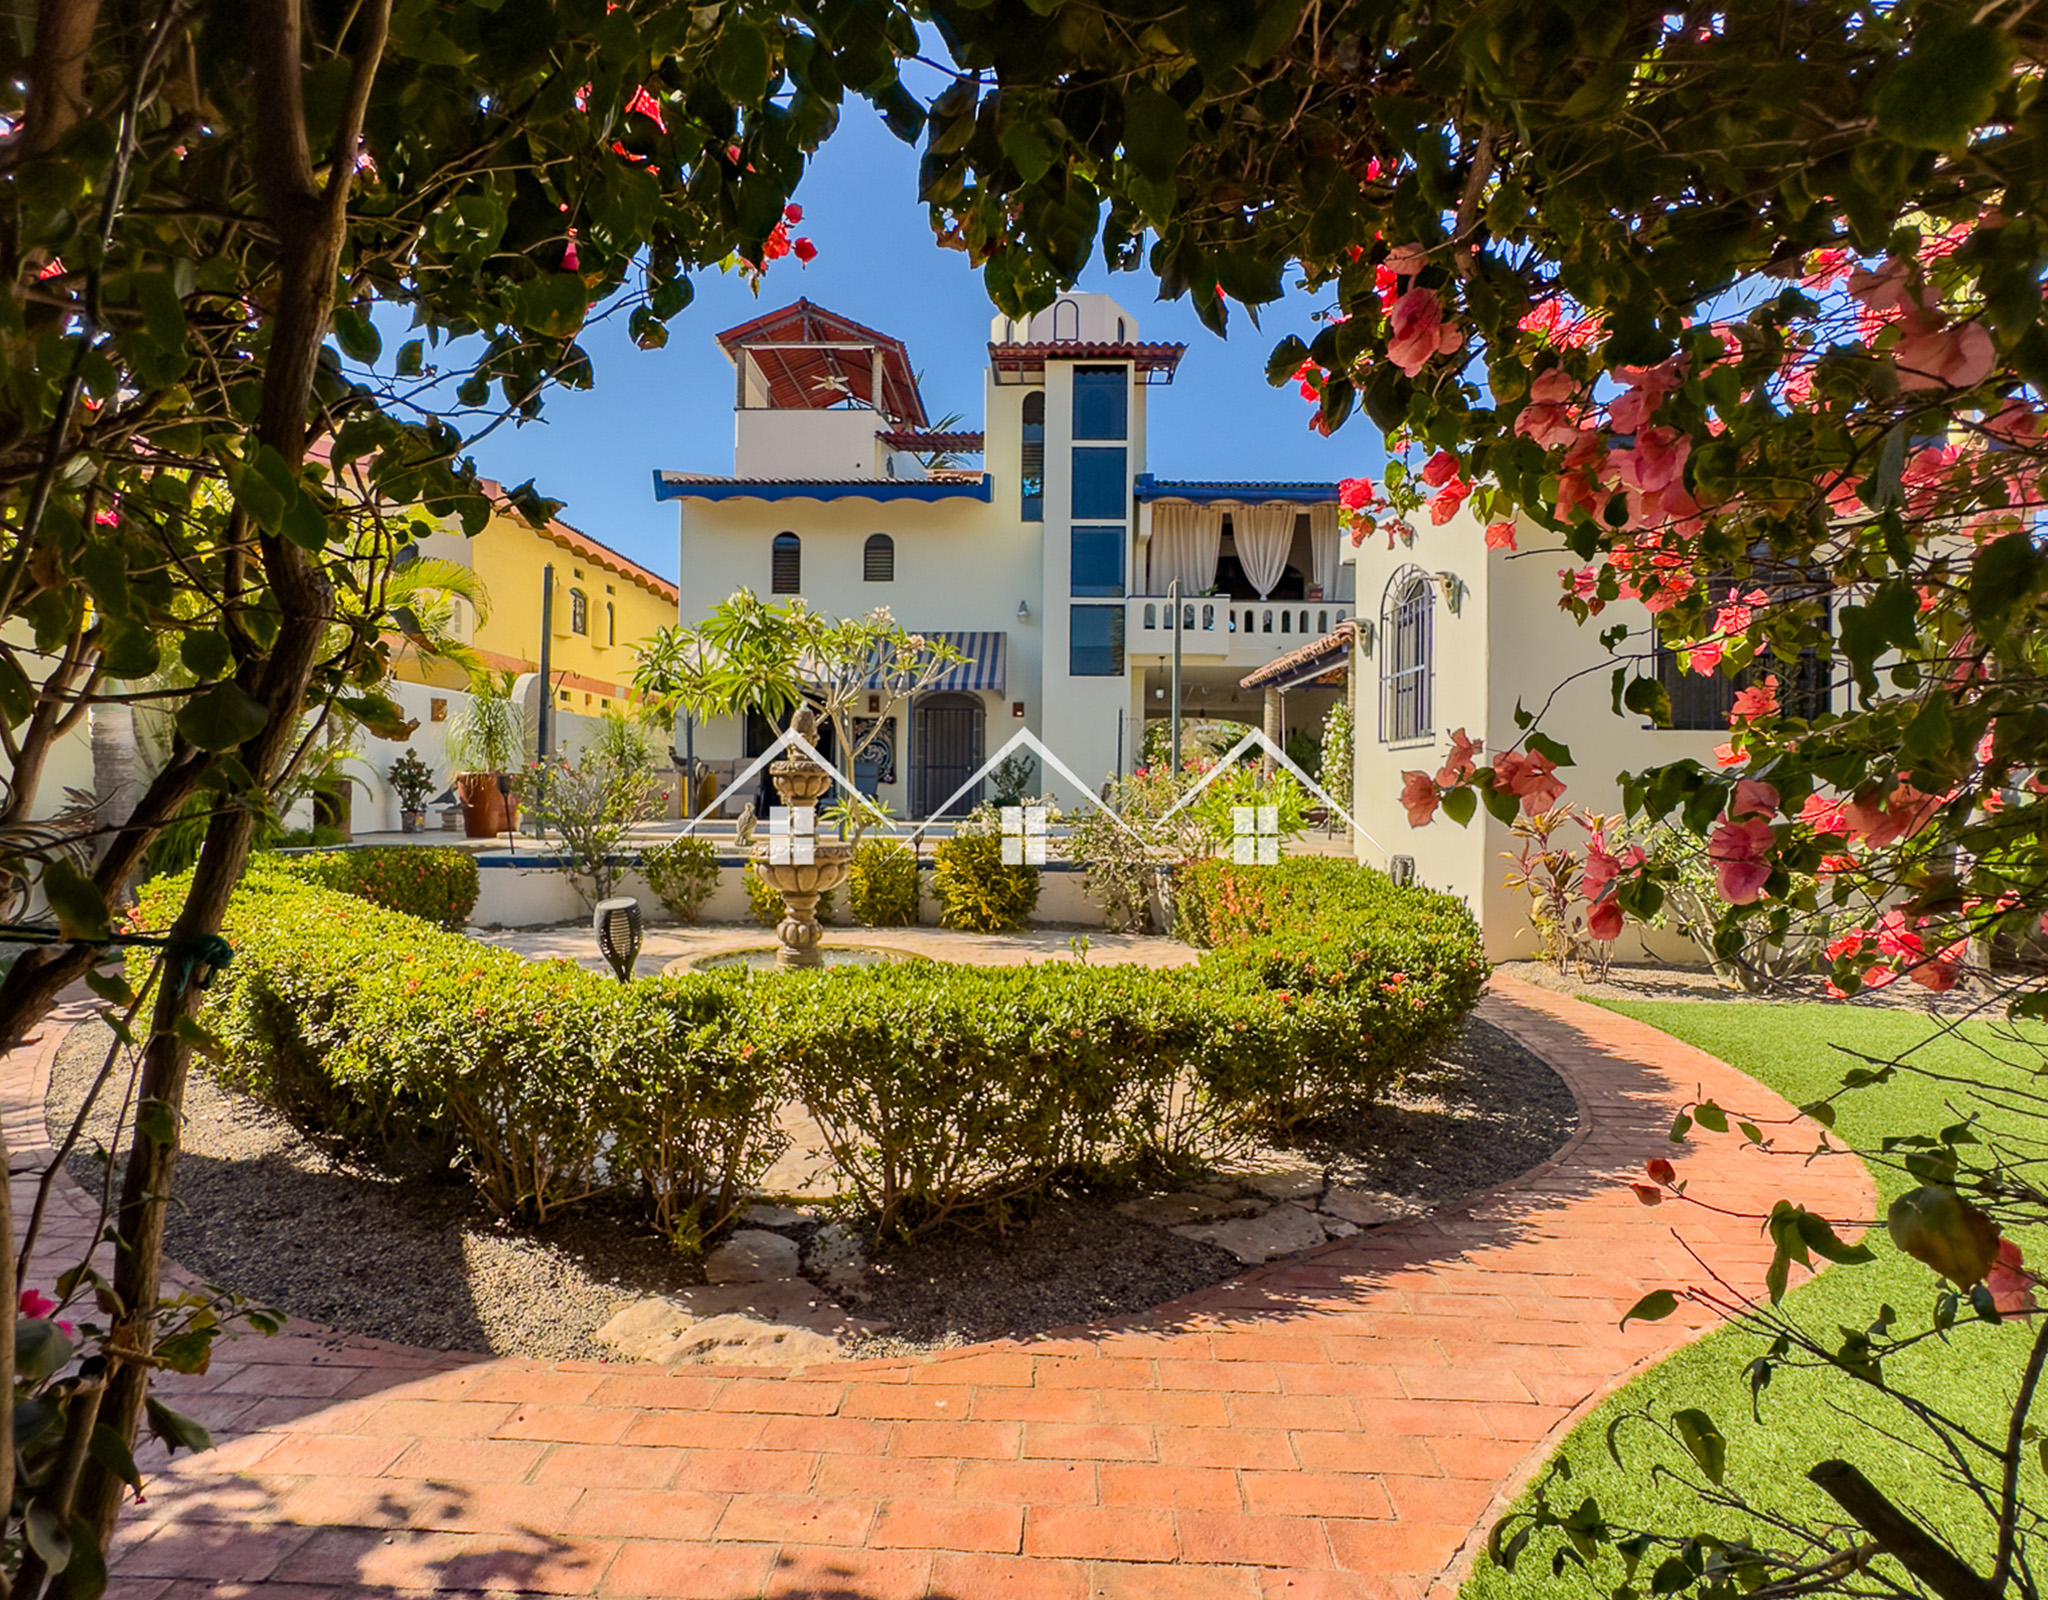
206 654
1819 1236
356 334
110 987
80 908
739 62
1648 697
2003 574
1947 85
412 358
1285 361
1710 1116
1544 745
1030 152
1653 1307
47 1535
1940 1229
156 1121
176 1430
111 1451
85 1575
552 305
40 1349
305 524
1459 805
222 718
1155 132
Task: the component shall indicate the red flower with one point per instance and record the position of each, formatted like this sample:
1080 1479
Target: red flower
644 104
803 249
792 214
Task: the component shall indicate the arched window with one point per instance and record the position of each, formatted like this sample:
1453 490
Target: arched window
1066 320
1031 466
1119 330
579 612
611 623
878 559
1408 660
786 565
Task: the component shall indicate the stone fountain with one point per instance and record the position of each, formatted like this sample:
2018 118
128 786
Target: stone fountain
793 860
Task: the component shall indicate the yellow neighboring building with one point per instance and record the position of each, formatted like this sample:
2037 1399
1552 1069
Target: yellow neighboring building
604 605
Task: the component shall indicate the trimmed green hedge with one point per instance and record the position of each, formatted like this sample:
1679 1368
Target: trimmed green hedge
937 1086
435 883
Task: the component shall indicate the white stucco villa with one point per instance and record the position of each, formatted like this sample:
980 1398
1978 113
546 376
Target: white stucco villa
1048 564
1453 635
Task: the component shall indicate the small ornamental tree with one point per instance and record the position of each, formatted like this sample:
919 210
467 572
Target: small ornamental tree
202 207
1742 306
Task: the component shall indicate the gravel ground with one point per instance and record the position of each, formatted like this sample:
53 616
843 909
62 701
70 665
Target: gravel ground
416 1259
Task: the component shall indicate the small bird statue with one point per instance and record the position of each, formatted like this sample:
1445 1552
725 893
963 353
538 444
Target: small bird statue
743 830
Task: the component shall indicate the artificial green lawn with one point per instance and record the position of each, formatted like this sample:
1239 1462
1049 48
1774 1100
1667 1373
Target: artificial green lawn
1807 1416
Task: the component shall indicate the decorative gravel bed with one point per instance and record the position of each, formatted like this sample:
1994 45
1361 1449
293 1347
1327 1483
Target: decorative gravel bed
268 1212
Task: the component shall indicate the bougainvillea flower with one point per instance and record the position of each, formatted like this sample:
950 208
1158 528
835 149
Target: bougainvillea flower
1532 776
1940 972
1417 331
1753 797
2010 1284
35 1304
1730 754
804 251
1500 536
1440 470
1740 853
1419 797
1823 815
792 213
1355 494
1458 765
1604 920
1758 700
1446 502
645 105
1405 260
1959 356
1704 657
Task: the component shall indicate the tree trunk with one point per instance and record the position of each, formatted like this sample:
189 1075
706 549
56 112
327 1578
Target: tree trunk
312 221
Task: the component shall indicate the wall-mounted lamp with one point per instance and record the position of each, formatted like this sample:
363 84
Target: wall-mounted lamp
1016 708
1023 611
1454 591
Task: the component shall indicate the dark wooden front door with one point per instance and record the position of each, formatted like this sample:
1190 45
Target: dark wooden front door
947 749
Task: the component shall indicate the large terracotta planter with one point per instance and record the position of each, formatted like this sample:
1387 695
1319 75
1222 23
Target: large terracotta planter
483 807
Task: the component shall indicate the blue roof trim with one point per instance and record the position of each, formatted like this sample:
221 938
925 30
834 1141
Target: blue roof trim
821 489
1148 488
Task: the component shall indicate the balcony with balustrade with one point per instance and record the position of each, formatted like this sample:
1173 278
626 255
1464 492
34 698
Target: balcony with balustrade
1216 630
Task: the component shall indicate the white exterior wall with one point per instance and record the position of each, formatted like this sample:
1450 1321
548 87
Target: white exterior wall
1508 643
808 444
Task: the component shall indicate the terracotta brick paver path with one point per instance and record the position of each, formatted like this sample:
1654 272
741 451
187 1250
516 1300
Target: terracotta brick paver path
1344 1425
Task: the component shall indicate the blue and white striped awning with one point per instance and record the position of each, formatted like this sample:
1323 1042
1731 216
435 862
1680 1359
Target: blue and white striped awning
983 669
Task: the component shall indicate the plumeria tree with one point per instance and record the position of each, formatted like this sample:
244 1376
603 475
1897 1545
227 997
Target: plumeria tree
1742 307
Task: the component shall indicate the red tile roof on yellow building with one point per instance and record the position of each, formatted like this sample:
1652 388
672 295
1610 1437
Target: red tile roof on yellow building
580 543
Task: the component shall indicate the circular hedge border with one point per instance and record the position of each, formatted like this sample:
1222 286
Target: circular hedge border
936 1086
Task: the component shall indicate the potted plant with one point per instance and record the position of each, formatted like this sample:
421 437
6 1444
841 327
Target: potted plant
413 781
486 737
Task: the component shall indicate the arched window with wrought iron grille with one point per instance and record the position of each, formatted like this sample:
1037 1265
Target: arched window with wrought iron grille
786 565
1407 657
579 612
878 559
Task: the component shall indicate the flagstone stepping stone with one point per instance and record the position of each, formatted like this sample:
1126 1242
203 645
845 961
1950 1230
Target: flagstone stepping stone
753 1255
758 1324
1189 1205
1279 1232
777 1217
1368 1207
1298 1183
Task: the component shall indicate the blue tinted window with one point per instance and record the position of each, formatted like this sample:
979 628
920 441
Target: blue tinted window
1101 403
1032 469
1099 561
1095 642
1101 487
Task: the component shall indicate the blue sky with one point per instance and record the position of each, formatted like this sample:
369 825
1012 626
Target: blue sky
877 263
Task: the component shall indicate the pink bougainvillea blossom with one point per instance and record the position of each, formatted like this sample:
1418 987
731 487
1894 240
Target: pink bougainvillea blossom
35 1304
1418 332
1740 850
645 105
1446 502
1730 754
1440 469
1500 536
1355 494
1531 775
1459 764
1959 356
1419 798
2009 1284
1704 656
1758 700
1823 815
1753 797
1405 260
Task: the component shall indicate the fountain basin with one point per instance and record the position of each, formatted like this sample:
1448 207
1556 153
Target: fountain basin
763 958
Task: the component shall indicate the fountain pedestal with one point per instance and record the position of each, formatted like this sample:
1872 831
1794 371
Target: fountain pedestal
809 865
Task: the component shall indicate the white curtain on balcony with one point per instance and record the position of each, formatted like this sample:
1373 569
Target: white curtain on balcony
1263 534
1331 576
1186 539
